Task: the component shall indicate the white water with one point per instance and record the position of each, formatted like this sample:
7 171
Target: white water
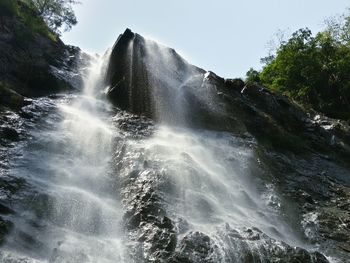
214 178
215 174
74 205
75 216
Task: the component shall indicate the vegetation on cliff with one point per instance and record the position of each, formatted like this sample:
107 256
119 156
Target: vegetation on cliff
22 12
33 59
312 69
45 17
56 13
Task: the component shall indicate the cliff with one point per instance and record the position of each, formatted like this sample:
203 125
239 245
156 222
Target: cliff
305 154
33 60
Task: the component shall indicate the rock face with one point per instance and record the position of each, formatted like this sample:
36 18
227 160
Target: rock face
32 63
134 75
153 80
304 155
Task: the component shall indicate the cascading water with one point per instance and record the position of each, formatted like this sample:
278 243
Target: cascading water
69 208
182 190
204 186
206 183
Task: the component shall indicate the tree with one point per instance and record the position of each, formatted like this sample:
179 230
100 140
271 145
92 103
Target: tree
252 76
56 13
339 27
313 70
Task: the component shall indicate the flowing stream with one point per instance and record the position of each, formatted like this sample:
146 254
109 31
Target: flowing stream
70 209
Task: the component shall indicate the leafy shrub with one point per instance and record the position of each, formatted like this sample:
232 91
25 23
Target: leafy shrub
312 70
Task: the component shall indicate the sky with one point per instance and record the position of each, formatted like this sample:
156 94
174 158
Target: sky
224 36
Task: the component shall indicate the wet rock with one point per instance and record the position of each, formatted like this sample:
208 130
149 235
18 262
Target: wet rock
304 158
345 247
5 228
183 94
195 247
4 210
26 114
134 126
9 133
149 86
304 197
340 236
10 98
250 245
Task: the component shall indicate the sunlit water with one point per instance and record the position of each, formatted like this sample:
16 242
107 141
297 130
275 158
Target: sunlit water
212 185
70 211
216 179
217 174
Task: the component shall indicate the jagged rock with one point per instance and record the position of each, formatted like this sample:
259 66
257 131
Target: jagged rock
163 89
304 158
195 247
34 63
297 154
235 84
148 79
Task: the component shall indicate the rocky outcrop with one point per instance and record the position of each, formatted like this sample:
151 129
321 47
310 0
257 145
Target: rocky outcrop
152 80
33 62
160 236
304 155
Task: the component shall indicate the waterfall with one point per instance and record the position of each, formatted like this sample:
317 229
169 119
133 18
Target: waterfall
71 211
213 188
161 177
205 185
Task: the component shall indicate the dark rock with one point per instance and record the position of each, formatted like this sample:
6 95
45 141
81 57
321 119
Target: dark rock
306 159
196 247
235 84
33 62
10 98
241 247
4 210
340 236
26 114
9 133
142 81
5 228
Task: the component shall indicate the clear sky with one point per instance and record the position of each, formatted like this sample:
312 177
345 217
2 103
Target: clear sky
225 36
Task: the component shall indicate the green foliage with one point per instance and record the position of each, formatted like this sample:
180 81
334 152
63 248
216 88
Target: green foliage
37 25
313 70
28 17
56 13
252 76
339 28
